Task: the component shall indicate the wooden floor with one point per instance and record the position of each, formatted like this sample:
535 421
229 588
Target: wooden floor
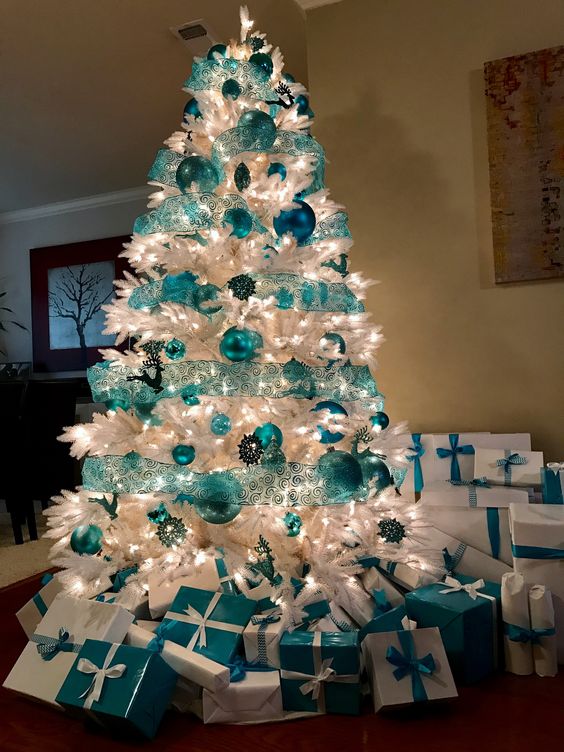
503 714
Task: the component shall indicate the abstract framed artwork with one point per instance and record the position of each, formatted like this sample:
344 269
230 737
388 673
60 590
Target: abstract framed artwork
525 115
69 285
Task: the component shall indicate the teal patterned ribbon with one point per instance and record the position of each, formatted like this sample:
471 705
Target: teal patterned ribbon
472 485
263 623
511 458
409 665
451 561
253 80
453 453
37 599
537 552
49 647
522 634
382 603
419 451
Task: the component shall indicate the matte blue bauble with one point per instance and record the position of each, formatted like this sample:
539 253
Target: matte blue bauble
86 539
380 419
231 88
262 122
220 424
302 103
300 222
240 220
175 349
277 168
183 454
374 470
327 436
189 395
218 503
191 109
116 404
341 474
239 344
199 171
330 340
264 61
267 432
217 51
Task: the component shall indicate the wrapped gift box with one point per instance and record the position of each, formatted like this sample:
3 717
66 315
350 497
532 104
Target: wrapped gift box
125 688
407 666
384 593
407 576
210 623
552 477
391 621
473 513
537 534
256 698
509 467
320 672
47 658
451 456
336 620
35 609
467 614
263 593
261 639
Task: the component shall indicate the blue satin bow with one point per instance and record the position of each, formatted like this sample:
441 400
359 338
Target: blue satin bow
408 664
157 643
53 646
453 453
521 634
239 667
506 462
382 603
419 451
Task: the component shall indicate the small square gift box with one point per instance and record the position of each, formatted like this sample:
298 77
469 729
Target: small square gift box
407 666
124 688
257 697
35 609
466 614
320 672
474 512
552 477
210 623
509 467
47 658
261 639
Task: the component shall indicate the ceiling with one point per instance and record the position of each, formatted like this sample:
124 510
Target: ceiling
89 90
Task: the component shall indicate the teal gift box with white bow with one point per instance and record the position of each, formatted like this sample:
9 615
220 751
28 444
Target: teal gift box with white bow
552 477
320 672
210 623
467 614
125 688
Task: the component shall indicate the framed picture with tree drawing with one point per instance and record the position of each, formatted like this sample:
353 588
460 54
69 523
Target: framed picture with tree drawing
69 285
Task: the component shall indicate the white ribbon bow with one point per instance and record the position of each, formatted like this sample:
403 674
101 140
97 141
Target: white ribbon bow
199 637
408 624
94 690
325 674
455 586
556 467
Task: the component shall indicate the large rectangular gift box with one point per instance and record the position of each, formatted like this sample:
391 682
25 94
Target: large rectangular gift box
35 609
47 658
509 467
468 616
408 576
126 689
320 672
474 512
537 534
407 666
552 477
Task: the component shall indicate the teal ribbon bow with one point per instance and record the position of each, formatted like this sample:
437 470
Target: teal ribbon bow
382 603
511 458
522 634
419 451
472 485
239 667
49 647
409 665
156 645
453 453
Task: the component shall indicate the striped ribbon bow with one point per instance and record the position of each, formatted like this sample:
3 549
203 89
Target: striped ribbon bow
506 463
266 619
49 647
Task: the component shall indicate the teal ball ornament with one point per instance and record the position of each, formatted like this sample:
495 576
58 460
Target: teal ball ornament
231 89
183 454
341 475
240 344
293 522
299 222
263 123
191 109
86 539
217 503
220 424
267 432
332 341
380 419
288 78
374 470
217 51
240 220
175 349
277 168
302 103
117 404
189 395
263 61
198 171
327 436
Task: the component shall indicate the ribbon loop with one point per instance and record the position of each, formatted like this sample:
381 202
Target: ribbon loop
523 634
49 647
407 664
94 690
453 453
455 586
419 451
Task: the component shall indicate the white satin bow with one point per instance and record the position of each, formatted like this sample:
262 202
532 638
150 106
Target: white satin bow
199 637
556 467
94 690
455 586
325 674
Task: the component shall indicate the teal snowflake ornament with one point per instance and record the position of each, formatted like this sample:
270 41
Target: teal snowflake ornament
242 286
391 530
256 43
171 531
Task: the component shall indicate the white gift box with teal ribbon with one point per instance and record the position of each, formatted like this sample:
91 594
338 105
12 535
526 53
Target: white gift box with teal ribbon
47 658
256 698
406 667
474 512
552 477
261 639
537 537
337 620
408 576
35 609
509 467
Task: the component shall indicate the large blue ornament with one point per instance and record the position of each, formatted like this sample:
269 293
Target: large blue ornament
300 222
277 168
231 88
264 61
175 349
240 220
262 122
117 404
374 470
199 171
240 344
183 454
341 474
267 432
380 419
218 503
217 51
192 109
330 437
302 103
86 539
220 424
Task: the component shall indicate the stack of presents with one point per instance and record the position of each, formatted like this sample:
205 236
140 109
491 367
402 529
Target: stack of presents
196 643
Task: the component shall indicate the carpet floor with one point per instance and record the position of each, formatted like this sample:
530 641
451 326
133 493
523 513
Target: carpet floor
19 562
502 714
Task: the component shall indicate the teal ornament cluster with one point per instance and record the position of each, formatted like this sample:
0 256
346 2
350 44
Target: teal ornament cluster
198 171
240 344
240 220
86 539
267 432
327 436
183 454
175 349
220 424
293 522
299 222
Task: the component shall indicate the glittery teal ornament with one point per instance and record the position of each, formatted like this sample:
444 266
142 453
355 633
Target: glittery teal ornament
217 503
303 104
267 432
299 222
117 404
374 470
217 51
327 436
191 109
198 171
262 122
342 475
263 60
175 349
171 532
293 522
231 89
380 419
277 168
189 395
391 530
332 341
183 454
242 286
86 539
240 220
220 424
242 176
240 344
273 456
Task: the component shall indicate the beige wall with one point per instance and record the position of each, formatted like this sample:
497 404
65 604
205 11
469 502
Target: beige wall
397 89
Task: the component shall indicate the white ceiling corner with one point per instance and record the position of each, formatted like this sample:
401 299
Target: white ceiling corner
310 4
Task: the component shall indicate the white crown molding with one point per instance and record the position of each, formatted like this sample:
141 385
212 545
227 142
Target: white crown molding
310 4
75 205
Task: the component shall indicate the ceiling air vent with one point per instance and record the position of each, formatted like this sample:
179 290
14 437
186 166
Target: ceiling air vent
196 35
